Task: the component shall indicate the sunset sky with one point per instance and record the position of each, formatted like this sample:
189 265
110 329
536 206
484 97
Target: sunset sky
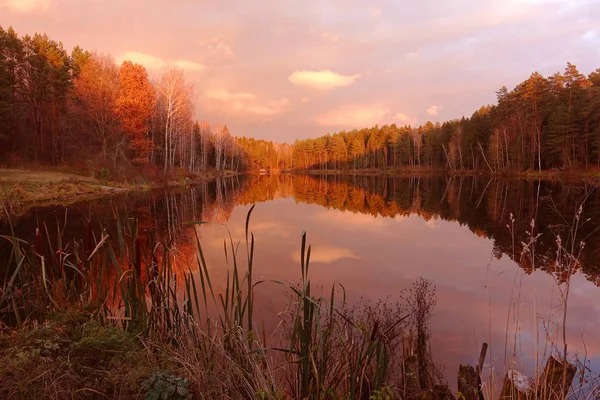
282 70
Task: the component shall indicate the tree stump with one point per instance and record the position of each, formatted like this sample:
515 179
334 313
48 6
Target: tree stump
556 380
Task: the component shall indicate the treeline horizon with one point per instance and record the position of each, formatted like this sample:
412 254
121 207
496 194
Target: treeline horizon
82 110
543 123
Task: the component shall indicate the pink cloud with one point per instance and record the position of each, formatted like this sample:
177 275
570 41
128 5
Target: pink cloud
25 6
357 117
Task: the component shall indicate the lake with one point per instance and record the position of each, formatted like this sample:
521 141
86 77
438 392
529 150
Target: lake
376 235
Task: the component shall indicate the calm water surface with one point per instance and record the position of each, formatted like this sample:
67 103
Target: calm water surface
375 235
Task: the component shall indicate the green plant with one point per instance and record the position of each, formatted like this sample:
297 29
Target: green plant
104 174
384 393
166 386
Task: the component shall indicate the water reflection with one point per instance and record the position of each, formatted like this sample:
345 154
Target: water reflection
485 206
377 234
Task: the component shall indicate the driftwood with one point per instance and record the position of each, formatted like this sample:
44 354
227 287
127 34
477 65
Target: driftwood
413 373
411 365
442 392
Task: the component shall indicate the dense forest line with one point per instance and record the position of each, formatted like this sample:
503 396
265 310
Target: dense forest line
82 110
543 123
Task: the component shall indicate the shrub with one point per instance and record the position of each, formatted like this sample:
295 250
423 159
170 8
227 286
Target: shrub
166 386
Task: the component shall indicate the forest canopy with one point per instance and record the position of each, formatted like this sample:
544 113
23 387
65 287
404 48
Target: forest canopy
543 123
83 110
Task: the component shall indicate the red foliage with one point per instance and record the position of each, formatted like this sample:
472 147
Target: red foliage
134 106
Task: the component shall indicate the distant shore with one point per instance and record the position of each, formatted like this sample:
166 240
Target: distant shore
591 175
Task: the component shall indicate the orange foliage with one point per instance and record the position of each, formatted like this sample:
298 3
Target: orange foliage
96 87
134 106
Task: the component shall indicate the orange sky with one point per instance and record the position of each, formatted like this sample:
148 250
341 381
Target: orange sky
288 69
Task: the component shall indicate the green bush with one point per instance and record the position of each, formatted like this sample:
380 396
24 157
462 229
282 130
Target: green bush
166 386
104 174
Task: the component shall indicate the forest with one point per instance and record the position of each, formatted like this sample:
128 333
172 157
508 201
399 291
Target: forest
82 110
544 123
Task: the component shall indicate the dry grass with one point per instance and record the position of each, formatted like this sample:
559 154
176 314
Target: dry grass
21 175
166 342
21 187
72 356
325 350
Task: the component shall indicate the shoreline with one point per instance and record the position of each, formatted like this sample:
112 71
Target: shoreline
588 176
24 188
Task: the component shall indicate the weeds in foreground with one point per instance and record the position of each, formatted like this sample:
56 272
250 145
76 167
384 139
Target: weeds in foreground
178 337
555 379
135 327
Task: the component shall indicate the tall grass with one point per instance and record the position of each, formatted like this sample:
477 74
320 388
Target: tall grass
552 380
328 349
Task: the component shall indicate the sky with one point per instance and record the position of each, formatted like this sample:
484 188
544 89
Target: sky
288 69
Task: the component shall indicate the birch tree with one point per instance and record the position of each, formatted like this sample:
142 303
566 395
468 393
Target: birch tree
176 109
220 134
205 144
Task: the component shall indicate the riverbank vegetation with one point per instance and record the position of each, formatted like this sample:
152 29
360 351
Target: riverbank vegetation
136 326
18 186
83 112
120 317
20 189
543 124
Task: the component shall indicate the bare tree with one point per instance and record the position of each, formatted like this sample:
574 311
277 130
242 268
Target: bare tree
417 137
175 101
220 134
205 140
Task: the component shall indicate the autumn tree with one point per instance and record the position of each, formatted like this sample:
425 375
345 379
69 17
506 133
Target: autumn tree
11 61
134 105
96 88
205 148
220 136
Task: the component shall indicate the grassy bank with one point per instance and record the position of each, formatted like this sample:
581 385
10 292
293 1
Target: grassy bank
21 187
